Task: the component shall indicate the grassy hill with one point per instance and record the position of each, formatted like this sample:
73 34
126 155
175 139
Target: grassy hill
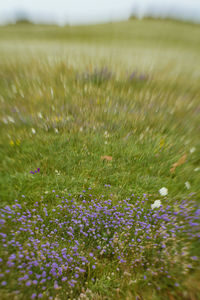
111 107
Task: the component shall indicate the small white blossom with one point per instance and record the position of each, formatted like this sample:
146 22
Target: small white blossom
192 150
56 130
10 119
57 172
33 130
156 204
163 191
106 134
187 184
40 115
197 169
52 93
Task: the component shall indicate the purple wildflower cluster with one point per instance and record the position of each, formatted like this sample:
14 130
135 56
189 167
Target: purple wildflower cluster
135 76
36 171
54 250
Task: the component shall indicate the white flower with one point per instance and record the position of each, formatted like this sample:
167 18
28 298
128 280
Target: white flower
33 130
156 204
40 115
11 119
56 130
106 134
51 92
192 149
163 191
187 184
197 169
46 192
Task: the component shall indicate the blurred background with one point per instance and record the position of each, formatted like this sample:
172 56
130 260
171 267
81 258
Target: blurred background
64 12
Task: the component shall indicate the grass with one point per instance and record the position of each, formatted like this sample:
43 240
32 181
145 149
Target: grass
127 90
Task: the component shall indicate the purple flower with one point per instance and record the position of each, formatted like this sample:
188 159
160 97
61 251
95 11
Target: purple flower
194 257
197 212
64 279
28 283
35 281
56 286
176 284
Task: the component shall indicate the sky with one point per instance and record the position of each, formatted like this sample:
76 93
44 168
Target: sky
96 11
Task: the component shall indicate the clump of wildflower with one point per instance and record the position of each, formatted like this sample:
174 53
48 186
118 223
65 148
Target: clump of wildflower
156 204
61 245
13 143
36 171
163 191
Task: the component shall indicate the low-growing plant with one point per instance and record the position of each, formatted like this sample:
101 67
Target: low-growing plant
49 251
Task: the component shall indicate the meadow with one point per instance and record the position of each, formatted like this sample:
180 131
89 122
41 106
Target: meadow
97 124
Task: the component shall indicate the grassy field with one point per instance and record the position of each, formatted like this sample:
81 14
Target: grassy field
105 112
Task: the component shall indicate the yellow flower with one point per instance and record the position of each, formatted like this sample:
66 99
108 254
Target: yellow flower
162 142
18 142
12 143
